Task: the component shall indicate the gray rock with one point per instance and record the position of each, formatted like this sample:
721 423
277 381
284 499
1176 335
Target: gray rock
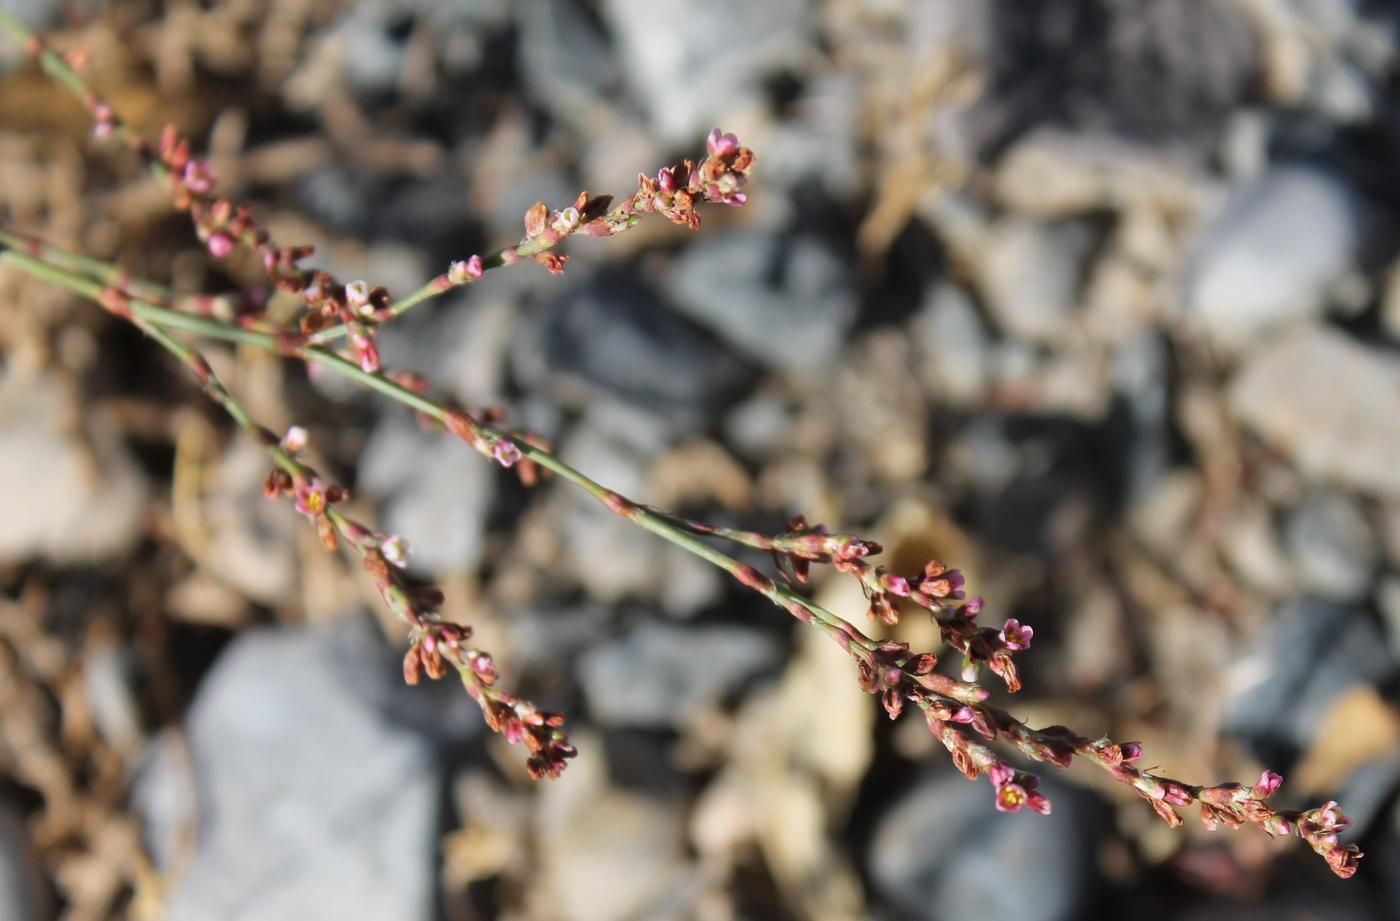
23 891
953 347
610 557
786 303
612 847
70 494
691 69
1388 601
761 425
1329 403
943 851
313 805
611 337
1272 251
1333 547
1311 652
1030 274
568 63
436 493
1165 73
660 675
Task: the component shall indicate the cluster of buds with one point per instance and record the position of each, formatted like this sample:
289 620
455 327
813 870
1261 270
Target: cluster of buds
545 229
939 590
434 644
719 179
520 721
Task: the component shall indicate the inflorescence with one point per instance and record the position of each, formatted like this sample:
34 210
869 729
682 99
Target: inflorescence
956 709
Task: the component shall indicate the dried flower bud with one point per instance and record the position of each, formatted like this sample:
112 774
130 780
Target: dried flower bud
412 666
535 219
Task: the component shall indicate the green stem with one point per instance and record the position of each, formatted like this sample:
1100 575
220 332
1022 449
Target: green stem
674 530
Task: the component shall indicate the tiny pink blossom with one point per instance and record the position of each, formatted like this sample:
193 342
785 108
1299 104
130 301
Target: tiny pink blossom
1015 636
963 715
1268 785
506 452
895 585
395 550
357 293
1132 751
1011 797
197 177
366 352
1001 774
1038 802
220 245
463 271
311 499
973 606
721 145
294 440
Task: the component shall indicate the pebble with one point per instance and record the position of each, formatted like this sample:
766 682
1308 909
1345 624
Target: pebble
661 675
612 337
1030 274
312 804
1272 251
1333 547
436 493
690 78
784 303
953 347
1329 403
69 495
1309 652
941 850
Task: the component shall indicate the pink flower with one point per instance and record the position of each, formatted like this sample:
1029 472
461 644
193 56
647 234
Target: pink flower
1001 774
197 177
220 245
1011 797
366 352
311 498
1016 637
395 550
895 585
1268 785
721 145
506 452
460 272
294 440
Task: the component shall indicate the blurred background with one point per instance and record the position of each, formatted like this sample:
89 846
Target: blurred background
1096 299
